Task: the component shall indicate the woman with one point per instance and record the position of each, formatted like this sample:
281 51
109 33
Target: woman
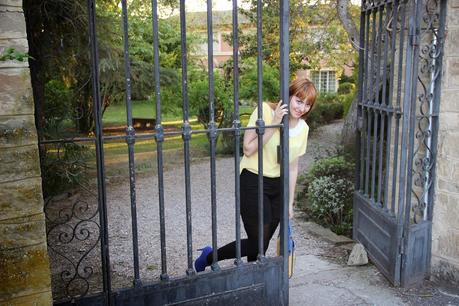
302 97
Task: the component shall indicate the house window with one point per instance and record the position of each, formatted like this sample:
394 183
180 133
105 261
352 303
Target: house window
325 81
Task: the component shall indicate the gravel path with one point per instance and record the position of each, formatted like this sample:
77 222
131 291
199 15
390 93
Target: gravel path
119 214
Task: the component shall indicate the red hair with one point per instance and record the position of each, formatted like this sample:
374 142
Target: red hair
304 89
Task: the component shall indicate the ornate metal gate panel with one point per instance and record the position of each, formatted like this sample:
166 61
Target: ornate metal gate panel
400 73
78 237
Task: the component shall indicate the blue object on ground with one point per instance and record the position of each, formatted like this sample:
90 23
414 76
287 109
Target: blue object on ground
200 263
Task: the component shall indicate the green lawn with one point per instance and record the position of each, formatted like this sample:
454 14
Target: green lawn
116 114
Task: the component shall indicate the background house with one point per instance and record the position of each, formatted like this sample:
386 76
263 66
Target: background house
326 78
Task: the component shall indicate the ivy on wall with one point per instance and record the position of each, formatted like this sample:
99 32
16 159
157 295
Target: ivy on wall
11 54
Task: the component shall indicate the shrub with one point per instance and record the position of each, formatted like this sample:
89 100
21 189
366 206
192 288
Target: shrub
63 166
56 108
349 79
336 166
225 142
328 188
346 88
327 98
249 80
330 202
324 113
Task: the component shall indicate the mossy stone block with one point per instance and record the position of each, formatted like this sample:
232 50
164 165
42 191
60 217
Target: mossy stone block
21 198
12 24
19 163
37 299
14 3
17 131
16 92
21 232
24 271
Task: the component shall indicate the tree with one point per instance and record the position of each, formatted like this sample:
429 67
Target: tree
60 50
315 33
350 122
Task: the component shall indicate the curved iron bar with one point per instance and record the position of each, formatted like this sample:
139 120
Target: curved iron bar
61 232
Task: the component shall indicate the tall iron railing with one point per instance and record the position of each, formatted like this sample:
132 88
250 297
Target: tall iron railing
159 134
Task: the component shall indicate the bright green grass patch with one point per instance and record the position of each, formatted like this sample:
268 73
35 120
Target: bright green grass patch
116 114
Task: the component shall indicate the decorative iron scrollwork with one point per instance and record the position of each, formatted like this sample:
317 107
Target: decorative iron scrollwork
428 72
73 234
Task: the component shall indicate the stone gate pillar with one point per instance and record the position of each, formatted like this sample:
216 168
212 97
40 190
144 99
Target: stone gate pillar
24 265
445 231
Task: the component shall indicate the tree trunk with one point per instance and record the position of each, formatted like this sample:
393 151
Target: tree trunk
348 134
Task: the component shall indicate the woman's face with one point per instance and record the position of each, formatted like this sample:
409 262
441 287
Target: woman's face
298 107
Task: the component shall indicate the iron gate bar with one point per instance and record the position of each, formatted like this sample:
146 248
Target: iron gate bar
212 136
237 135
130 140
363 60
398 104
414 42
370 85
375 100
401 233
393 25
382 103
147 136
406 122
260 130
414 35
186 128
284 74
367 98
360 128
436 110
101 190
159 137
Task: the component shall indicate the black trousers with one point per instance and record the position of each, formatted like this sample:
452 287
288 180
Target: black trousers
249 213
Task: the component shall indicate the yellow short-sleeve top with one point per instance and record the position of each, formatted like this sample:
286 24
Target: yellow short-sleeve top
298 140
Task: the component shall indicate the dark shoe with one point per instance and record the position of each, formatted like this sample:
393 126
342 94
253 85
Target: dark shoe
200 263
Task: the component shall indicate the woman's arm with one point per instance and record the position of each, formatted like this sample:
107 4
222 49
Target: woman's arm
250 136
293 168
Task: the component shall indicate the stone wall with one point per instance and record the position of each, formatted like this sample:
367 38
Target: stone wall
445 236
24 265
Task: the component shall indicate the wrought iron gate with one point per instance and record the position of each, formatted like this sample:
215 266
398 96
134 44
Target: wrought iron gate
262 283
400 74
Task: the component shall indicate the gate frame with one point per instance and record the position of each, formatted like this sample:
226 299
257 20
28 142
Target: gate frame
400 248
264 282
